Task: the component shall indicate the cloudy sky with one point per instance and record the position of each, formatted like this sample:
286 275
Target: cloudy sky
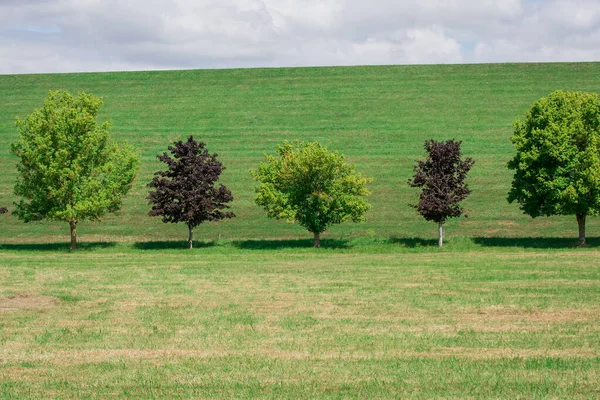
108 35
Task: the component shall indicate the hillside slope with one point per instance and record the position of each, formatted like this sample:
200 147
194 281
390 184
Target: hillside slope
378 116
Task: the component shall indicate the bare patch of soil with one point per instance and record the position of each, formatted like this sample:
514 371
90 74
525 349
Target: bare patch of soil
27 302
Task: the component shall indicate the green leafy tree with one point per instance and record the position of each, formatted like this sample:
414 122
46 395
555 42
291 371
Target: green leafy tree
307 184
557 165
69 169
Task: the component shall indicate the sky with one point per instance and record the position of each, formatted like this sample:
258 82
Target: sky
41 36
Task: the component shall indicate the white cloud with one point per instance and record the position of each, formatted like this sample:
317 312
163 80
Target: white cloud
571 15
97 35
431 45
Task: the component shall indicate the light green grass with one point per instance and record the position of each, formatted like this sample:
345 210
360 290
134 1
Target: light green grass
378 116
376 321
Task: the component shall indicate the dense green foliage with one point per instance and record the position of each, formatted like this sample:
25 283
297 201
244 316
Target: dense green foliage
557 165
378 117
307 184
69 169
220 321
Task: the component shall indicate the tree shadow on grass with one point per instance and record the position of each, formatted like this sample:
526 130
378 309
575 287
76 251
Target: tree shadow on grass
62 246
535 242
170 245
413 242
289 244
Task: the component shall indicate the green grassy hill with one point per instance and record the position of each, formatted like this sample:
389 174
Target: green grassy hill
378 117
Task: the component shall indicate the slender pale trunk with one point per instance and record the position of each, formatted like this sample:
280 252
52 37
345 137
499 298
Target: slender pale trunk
191 237
581 225
440 234
73 225
317 240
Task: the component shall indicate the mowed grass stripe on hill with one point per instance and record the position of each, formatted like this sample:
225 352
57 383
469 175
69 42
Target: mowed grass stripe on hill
378 116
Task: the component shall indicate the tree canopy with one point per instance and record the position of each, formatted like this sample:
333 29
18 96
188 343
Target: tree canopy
186 191
441 177
307 184
3 210
557 164
69 168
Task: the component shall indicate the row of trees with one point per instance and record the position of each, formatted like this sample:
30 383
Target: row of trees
70 170
303 183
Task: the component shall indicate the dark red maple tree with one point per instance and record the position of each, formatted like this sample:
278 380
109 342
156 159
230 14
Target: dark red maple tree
187 191
441 177
3 210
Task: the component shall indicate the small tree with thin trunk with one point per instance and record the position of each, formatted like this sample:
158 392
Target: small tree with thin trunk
557 165
187 192
441 177
308 184
69 169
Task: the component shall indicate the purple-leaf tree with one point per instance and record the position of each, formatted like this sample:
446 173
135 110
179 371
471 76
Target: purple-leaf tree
441 177
3 210
187 192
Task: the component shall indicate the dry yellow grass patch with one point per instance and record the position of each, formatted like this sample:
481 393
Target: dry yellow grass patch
27 302
518 319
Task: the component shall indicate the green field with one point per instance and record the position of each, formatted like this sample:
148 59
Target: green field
507 309
378 116
376 321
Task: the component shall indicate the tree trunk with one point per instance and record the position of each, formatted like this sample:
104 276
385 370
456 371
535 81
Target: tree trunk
581 225
73 226
440 234
191 237
317 240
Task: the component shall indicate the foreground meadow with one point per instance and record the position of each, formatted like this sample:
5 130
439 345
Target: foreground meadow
279 319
